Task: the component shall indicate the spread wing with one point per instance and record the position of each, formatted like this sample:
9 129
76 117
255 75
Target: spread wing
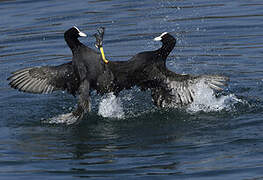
45 79
180 90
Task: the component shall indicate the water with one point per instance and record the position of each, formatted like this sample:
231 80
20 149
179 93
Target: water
126 136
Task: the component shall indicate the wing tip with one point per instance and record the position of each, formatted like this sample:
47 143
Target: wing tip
23 81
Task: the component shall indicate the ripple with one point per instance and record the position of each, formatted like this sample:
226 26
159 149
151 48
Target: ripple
220 139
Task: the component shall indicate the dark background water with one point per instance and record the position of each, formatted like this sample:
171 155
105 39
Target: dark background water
214 37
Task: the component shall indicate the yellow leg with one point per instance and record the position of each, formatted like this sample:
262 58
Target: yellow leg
103 56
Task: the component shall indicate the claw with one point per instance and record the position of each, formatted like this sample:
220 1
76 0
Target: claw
99 37
99 42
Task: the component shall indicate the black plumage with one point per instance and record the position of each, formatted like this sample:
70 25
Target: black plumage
45 79
87 72
148 70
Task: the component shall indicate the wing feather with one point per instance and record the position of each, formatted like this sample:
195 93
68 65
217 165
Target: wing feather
45 79
180 90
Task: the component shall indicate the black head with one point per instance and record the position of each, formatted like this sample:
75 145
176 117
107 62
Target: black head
165 38
74 32
71 37
168 44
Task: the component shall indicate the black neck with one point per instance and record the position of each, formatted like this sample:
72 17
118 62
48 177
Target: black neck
72 42
166 48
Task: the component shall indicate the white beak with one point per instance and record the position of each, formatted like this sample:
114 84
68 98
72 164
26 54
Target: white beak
82 34
159 38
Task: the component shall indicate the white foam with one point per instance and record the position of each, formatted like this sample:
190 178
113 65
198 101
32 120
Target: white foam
111 106
62 119
206 100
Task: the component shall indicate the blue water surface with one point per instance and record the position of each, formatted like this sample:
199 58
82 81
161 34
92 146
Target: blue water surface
213 37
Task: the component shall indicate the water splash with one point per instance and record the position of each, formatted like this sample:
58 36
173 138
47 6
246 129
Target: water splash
205 99
67 119
111 106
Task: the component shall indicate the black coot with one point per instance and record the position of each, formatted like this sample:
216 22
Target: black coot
88 71
77 77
